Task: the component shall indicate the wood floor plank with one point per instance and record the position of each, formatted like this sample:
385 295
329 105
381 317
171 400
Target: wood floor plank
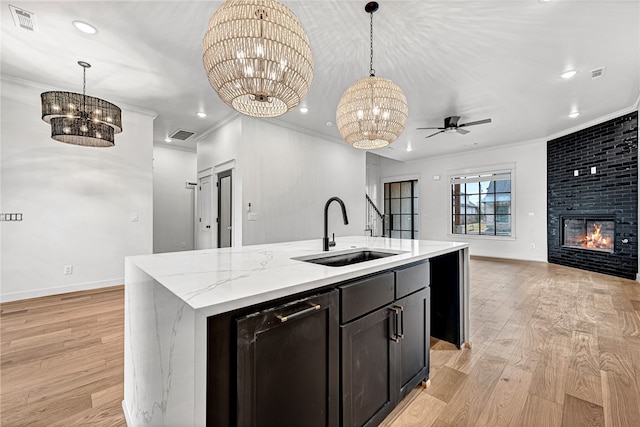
471 398
615 356
580 413
630 321
584 386
539 412
620 400
549 378
584 353
507 399
423 411
445 384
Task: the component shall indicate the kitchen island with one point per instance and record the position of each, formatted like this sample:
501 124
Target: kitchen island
176 306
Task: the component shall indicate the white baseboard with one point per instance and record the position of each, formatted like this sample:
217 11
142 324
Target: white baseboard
126 414
36 293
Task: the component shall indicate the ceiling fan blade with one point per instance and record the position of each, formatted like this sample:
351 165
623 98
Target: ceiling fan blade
479 122
429 128
462 131
433 134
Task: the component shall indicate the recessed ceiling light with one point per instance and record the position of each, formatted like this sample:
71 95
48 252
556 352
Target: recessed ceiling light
84 27
574 114
568 74
329 124
201 114
167 140
304 110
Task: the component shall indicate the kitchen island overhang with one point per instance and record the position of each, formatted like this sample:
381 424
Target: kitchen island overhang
169 297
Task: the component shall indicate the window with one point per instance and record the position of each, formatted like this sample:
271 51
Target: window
401 209
481 204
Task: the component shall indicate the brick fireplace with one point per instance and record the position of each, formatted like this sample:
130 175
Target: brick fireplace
592 198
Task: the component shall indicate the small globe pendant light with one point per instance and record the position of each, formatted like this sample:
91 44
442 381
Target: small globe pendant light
257 57
373 112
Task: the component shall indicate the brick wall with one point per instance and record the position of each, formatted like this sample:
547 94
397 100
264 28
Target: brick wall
611 147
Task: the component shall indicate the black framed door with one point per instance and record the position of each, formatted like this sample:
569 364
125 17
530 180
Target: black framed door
225 209
401 209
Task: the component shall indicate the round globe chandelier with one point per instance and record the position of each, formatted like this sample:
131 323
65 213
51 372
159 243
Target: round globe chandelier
373 112
257 57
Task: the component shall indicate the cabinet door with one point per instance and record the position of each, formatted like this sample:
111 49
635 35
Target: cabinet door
413 360
369 383
288 372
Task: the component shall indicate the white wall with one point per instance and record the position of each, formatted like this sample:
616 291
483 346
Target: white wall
529 193
289 176
218 151
76 201
173 200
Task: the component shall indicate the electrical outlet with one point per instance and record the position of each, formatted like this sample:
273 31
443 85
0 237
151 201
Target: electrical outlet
253 216
68 269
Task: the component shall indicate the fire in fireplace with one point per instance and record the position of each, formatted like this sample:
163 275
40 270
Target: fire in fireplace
588 232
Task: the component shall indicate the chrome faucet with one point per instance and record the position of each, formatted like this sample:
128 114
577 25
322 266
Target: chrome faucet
325 241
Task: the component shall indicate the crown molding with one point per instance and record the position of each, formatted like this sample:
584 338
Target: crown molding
47 88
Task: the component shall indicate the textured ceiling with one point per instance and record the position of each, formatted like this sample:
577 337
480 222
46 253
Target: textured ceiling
475 59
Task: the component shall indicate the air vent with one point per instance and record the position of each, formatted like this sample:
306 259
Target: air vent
23 19
182 134
597 73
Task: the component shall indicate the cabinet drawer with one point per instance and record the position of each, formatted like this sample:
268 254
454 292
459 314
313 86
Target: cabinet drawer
411 279
365 295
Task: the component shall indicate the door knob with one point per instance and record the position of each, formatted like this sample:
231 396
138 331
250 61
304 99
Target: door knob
229 228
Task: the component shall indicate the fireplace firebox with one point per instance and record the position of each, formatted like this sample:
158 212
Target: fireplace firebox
589 232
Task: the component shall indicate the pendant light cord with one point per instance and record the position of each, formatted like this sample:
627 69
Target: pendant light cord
372 72
84 91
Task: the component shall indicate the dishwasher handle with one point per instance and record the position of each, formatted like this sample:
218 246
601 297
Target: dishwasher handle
312 307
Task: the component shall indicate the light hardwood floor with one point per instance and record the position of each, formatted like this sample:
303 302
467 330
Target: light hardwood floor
552 346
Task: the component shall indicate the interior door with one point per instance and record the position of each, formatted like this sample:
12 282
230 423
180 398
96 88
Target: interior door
205 232
224 210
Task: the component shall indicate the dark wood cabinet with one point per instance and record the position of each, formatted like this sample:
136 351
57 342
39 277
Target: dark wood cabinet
343 357
413 360
385 353
288 364
369 374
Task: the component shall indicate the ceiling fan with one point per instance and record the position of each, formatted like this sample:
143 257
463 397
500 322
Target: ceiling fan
451 125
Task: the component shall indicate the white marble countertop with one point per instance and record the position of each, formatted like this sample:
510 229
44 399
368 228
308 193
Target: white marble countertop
215 281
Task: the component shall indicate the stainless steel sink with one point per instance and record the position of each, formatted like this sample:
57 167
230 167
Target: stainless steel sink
341 259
